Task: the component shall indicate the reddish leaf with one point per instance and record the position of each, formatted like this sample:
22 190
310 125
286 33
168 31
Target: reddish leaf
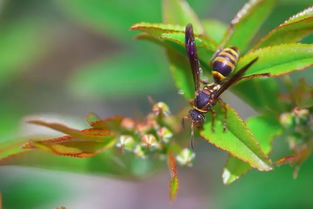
296 159
92 117
92 134
173 186
11 148
113 123
71 146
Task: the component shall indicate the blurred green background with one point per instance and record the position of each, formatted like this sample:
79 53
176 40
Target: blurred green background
62 59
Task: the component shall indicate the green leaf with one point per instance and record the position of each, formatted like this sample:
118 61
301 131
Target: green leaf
181 72
106 15
264 128
174 42
174 33
215 29
256 92
77 143
156 29
178 65
121 77
11 148
237 140
247 22
276 60
73 146
279 60
107 162
292 30
21 44
20 189
207 46
179 12
173 187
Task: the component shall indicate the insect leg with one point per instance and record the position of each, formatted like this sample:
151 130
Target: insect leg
183 121
192 139
213 119
223 104
205 82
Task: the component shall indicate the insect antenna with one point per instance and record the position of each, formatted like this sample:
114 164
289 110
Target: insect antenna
151 101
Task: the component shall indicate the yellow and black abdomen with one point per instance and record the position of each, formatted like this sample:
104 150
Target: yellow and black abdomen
224 63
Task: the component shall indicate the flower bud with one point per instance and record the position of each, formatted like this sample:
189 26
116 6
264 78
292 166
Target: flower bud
301 116
286 120
185 157
160 108
126 142
139 151
128 124
142 128
164 134
149 140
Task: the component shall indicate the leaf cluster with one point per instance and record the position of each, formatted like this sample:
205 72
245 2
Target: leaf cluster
160 136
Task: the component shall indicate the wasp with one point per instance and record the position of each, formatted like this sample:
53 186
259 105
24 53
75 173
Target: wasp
223 63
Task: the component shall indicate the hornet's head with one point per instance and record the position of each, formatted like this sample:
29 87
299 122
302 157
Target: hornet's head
196 117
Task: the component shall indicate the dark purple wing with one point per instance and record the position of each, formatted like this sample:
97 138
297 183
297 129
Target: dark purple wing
235 78
192 55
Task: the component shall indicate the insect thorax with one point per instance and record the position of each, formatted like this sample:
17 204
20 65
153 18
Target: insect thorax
204 100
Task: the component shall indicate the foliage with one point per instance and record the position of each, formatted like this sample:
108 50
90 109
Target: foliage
138 146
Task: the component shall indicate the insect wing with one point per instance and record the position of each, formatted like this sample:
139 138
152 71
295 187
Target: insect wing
192 55
235 78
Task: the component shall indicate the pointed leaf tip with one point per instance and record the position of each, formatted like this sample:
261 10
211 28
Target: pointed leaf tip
237 140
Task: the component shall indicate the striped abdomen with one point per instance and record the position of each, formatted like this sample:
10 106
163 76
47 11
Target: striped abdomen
224 63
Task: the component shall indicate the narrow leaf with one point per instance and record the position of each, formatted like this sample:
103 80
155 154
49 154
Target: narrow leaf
181 73
174 184
264 128
296 160
92 117
215 29
173 173
70 146
157 29
292 30
11 148
174 33
179 12
113 123
237 140
279 60
106 162
247 22
201 42
92 134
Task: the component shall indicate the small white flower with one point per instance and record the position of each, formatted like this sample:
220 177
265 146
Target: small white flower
185 157
126 142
